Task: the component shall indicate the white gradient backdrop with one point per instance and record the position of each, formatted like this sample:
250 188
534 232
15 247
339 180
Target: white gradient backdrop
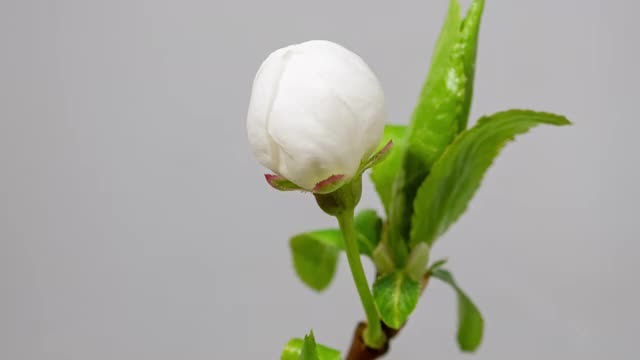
135 224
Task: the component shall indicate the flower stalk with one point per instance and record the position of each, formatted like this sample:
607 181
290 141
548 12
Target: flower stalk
341 204
372 335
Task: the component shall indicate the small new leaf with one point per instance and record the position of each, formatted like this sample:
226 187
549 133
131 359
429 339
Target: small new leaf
383 173
454 179
417 261
369 227
315 256
437 264
309 351
396 296
382 259
297 348
470 322
315 253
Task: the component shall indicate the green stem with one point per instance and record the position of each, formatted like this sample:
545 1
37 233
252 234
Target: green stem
373 335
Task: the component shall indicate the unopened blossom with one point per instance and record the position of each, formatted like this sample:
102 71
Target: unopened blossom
316 111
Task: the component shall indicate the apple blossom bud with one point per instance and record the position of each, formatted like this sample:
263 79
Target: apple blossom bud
316 111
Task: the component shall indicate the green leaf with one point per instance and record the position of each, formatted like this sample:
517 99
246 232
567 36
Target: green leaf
444 195
417 261
369 227
297 348
315 256
445 101
383 173
437 264
396 296
309 351
469 43
378 157
470 322
315 253
435 118
441 113
382 259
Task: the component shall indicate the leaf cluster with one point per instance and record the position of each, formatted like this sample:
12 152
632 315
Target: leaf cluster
425 184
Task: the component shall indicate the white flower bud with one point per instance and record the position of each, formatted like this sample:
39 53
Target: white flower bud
316 110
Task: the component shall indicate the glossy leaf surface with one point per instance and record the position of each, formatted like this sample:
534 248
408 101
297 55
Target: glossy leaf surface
445 194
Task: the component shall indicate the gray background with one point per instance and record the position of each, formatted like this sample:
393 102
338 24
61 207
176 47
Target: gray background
135 223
